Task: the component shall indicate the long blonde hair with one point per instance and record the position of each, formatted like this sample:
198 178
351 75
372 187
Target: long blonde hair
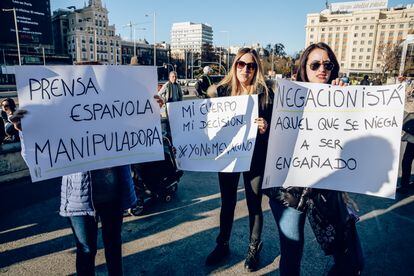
258 81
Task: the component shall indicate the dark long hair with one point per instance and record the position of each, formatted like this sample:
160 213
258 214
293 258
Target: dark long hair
11 103
302 76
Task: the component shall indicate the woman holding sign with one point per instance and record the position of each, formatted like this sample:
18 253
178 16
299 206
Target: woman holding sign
245 78
290 206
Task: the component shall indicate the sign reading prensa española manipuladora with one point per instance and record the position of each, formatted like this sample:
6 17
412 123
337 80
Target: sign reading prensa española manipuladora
338 138
87 117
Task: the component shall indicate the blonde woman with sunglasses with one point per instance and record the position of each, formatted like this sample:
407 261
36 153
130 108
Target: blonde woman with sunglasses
245 78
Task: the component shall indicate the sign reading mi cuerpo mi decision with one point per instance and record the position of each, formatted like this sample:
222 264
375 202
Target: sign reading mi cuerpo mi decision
87 117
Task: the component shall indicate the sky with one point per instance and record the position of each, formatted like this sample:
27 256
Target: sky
244 22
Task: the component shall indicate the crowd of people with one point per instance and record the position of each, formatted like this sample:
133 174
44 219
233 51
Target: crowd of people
103 194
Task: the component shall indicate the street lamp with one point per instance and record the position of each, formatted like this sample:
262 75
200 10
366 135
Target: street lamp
166 65
17 32
132 27
228 48
155 46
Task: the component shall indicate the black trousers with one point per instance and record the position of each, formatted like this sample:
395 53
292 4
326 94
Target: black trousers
406 164
228 189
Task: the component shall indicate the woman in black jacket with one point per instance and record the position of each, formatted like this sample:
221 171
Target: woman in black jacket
245 78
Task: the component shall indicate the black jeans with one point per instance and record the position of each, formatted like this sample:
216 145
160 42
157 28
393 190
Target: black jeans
228 189
406 164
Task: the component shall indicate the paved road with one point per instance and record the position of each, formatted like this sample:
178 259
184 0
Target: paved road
174 238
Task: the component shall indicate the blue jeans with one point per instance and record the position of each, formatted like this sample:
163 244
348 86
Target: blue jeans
290 223
85 230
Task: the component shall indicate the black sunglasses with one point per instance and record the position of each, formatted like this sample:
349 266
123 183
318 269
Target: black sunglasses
6 105
327 65
250 66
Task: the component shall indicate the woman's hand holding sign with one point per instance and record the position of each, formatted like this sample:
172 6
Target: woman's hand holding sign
261 124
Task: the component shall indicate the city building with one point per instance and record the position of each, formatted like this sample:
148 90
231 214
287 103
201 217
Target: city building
190 37
89 36
34 29
361 33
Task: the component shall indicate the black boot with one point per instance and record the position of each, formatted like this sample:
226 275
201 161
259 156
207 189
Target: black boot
252 259
221 252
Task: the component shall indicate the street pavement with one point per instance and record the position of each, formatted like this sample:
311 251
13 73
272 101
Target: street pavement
174 238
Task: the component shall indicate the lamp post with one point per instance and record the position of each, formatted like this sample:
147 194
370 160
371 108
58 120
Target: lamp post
43 53
166 66
153 29
17 32
228 48
133 30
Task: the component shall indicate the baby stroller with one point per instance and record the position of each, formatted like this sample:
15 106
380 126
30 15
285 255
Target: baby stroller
157 180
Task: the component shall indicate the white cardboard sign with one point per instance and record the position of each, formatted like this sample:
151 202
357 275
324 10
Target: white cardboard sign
215 135
338 138
87 117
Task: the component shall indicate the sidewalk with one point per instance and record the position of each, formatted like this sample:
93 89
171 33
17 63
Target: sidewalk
174 238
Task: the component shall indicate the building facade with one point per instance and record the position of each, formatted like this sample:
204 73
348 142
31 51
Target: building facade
190 37
89 36
144 52
361 33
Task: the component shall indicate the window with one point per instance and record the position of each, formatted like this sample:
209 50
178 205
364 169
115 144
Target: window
366 65
353 57
352 65
361 49
373 18
382 26
401 26
371 34
355 42
369 50
330 28
311 29
363 34
345 28
371 27
362 42
359 65
392 26
338 28
364 27
311 36
368 57
313 21
322 35
355 35
353 50
369 42
323 29
360 57
356 27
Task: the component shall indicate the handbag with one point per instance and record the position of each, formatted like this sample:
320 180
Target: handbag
330 218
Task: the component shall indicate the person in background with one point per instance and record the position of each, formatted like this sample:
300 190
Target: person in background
205 82
345 79
245 78
365 81
8 108
318 64
171 90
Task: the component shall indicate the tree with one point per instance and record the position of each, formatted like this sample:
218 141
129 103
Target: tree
388 56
